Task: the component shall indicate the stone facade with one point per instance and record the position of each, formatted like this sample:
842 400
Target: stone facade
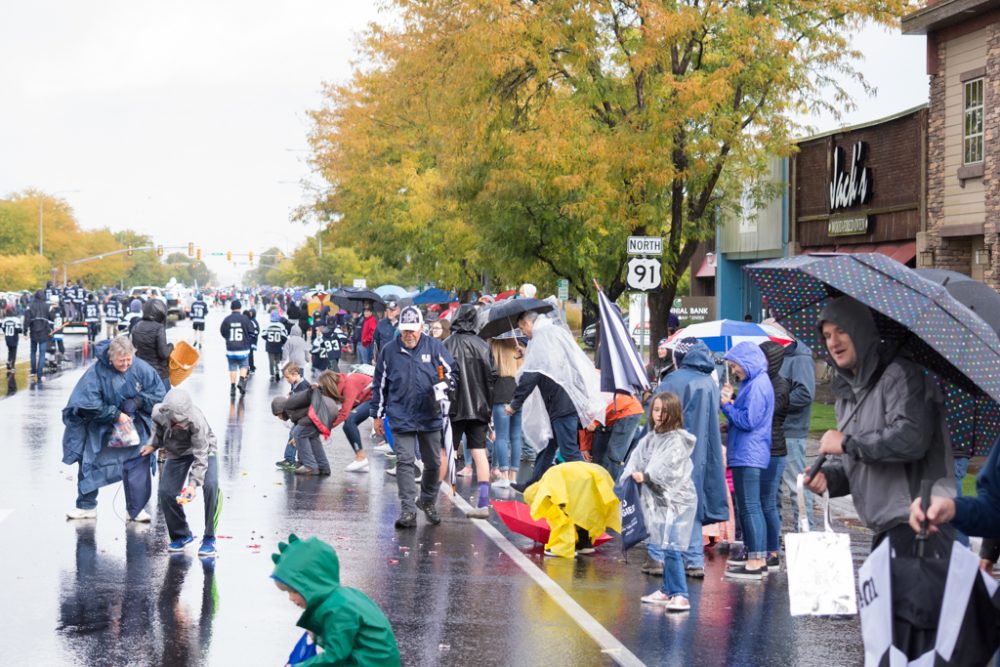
991 226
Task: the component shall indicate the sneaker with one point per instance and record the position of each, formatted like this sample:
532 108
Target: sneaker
285 465
479 513
81 514
407 520
430 511
464 472
742 572
738 560
302 470
419 465
391 471
384 448
502 484
551 554
518 487
678 603
357 466
142 517
695 572
650 566
178 545
585 551
207 548
657 597
774 563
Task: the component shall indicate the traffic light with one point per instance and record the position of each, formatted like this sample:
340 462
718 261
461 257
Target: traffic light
251 256
190 249
229 256
159 251
130 251
197 254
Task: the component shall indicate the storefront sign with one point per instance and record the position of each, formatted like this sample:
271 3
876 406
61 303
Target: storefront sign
854 187
694 309
848 226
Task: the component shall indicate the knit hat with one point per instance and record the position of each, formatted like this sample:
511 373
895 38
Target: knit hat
236 305
682 347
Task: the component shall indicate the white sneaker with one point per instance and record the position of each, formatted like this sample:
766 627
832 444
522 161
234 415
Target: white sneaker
479 513
384 448
391 471
420 467
502 484
78 513
142 517
357 466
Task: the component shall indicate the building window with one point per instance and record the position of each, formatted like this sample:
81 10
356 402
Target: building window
972 135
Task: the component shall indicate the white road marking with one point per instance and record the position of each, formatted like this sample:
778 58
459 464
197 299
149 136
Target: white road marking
610 645
4 514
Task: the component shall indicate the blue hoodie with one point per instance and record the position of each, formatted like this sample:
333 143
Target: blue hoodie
699 395
750 415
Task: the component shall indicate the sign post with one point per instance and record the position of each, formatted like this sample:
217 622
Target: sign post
643 275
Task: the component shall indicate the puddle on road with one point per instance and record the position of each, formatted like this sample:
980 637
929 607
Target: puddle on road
75 357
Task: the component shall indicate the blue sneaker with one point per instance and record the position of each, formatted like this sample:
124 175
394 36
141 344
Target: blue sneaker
179 544
207 548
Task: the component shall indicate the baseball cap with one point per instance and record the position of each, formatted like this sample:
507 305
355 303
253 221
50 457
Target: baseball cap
410 319
391 304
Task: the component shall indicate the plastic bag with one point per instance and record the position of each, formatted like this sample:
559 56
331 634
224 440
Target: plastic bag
124 435
633 521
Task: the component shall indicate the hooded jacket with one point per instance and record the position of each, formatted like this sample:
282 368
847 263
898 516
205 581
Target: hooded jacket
699 395
750 415
403 387
36 319
800 369
97 400
348 626
474 395
775 354
238 333
149 336
296 349
181 429
891 412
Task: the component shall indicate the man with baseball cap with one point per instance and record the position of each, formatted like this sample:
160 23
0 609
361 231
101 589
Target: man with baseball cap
385 331
411 372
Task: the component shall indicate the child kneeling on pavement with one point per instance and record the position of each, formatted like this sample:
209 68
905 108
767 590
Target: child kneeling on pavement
190 446
661 464
346 624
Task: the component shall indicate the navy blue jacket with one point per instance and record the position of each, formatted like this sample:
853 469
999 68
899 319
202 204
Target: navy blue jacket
238 332
980 515
385 332
403 388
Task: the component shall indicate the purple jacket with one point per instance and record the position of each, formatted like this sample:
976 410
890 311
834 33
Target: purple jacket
750 415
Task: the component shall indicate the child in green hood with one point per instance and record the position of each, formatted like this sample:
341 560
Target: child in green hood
347 625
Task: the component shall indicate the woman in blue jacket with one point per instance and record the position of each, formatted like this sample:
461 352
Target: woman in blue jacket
749 448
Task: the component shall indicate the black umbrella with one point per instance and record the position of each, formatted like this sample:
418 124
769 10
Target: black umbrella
503 317
353 299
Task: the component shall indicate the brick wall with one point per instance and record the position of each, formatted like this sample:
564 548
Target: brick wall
991 176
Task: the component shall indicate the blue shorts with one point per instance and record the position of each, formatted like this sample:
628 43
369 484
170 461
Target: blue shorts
236 363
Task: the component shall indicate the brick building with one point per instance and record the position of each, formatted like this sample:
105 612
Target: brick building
963 197
861 188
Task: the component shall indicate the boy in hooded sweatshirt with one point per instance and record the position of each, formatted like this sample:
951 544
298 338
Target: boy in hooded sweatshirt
191 455
346 624
275 336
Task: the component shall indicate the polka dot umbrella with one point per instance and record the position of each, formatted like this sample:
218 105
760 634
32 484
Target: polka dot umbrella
918 317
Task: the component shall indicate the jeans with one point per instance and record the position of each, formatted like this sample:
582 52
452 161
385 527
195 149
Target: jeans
674 581
509 439
364 354
564 441
357 416
38 362
795 463
172 479
770 485
611 446
311 452
430 445
746 482
961 470
290 449
695 554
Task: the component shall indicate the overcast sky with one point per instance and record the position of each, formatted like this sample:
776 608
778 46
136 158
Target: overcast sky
182 119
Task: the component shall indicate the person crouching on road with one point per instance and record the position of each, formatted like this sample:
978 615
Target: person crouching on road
182 431
308 428
411 370
661 465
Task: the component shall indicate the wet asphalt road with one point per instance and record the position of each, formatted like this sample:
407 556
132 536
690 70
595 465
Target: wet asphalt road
105 593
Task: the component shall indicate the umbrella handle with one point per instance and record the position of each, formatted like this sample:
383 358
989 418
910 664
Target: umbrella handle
817 464
925 500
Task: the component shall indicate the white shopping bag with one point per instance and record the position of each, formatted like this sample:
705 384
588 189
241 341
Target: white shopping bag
820 568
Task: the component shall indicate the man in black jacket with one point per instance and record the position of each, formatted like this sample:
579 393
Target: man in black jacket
472 408
38 327
149 336
237 331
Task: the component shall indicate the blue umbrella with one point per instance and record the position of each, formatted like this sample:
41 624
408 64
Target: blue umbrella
434 295
936 329
621 366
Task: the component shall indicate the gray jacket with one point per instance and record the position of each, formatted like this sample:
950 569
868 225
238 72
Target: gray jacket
296 350
892 414
181 430
799 368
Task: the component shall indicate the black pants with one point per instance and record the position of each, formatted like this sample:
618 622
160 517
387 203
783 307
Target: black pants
172 480
93 328
11 355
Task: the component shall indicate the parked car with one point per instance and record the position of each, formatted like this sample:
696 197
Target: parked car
146 291
176 303
590 333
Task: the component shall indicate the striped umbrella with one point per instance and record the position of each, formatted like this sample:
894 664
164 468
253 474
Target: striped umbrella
621 366
722 335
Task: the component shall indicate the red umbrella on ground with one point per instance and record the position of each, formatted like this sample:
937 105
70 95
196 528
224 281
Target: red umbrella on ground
517 517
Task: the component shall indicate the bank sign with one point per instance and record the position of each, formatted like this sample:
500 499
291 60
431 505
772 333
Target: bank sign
852 187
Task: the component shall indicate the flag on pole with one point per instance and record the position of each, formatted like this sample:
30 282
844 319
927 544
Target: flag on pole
621 366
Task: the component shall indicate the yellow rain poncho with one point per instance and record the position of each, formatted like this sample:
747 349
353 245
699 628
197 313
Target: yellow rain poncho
574 494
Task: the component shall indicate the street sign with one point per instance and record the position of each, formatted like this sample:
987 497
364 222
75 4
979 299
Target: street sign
643 273
645 245
360 283
562 285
